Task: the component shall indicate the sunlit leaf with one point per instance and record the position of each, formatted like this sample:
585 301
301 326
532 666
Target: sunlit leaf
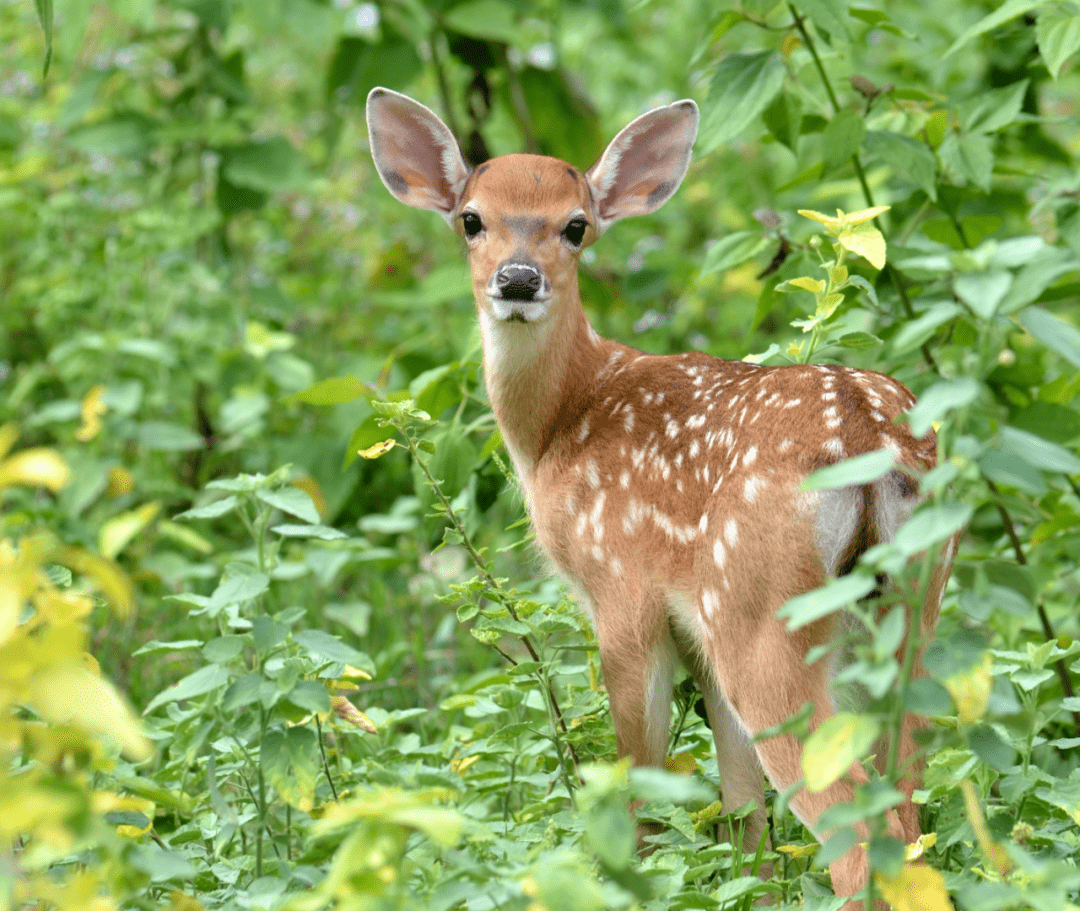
916 887
830 750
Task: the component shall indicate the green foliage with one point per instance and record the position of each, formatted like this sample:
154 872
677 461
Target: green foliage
210 306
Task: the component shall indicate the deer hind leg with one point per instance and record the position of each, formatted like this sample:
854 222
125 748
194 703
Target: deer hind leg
742 779
894 498
909 757
761 668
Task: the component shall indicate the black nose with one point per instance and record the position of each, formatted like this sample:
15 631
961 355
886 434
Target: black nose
518 282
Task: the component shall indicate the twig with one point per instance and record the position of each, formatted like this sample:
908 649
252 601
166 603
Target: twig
1044 619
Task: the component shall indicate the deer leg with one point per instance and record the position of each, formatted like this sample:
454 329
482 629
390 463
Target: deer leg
766 680
638 661
742 780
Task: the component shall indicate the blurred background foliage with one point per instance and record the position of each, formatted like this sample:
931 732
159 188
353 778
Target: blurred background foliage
202 281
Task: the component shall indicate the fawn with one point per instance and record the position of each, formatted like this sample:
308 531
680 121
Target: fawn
667 488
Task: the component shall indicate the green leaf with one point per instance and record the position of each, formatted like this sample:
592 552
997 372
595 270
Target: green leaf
842 138
831 749
939 400
359 65
266 165
159 436
733 250
742 85
290 762
991 111
828 15
488 19
987 744
970 157
806 608
554 100
321 645
1009 10
292 500
240 583
211 510
932 524
609 832
1039 453
983 292
911 158
45 17
320 532
204 680
1060 337
310 695
859 341
912 334
1058 34
333 391
860 470
783 118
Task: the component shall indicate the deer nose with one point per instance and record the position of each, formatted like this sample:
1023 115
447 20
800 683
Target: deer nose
518 281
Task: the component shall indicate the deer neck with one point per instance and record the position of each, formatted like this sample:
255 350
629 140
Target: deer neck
538 377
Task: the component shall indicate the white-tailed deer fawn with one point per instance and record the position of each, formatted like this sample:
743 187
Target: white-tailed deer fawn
667 488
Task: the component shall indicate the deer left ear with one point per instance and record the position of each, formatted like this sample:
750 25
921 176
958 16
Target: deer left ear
644 165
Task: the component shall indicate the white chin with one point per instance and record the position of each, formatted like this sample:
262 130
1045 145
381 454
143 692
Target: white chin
511 311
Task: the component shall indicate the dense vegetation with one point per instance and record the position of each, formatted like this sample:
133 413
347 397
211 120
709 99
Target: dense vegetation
358 687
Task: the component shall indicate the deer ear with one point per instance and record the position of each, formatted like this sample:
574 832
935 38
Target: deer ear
415 153
644 165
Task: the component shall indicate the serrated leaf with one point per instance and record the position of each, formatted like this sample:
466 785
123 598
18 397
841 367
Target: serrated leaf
1058 34
983 292
828 15
333 391
813 605
204 680
842 138
939 400
865 241
1008 10
1059 336
733 250
863 469
742 85
831 749
992 110
291 500
805 283
211 510
322 645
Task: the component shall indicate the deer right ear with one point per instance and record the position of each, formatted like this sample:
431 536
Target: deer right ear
415 153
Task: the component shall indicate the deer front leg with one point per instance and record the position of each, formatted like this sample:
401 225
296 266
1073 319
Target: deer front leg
638 661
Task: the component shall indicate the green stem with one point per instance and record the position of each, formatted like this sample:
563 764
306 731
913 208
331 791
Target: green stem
860 174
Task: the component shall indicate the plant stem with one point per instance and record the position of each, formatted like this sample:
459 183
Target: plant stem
493 584
1044 618
860 174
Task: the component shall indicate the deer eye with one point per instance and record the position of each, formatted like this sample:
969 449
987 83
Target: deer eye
574 232
470 221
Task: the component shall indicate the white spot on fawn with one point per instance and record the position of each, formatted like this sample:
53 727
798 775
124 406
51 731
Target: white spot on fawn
752 487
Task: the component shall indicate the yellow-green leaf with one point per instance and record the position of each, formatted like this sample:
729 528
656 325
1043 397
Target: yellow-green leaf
827 220
121 530
997 856
828 306
916 887
831 749
37 467
112 581
71 694
865 241
379 449
970 690
813 285
863 215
